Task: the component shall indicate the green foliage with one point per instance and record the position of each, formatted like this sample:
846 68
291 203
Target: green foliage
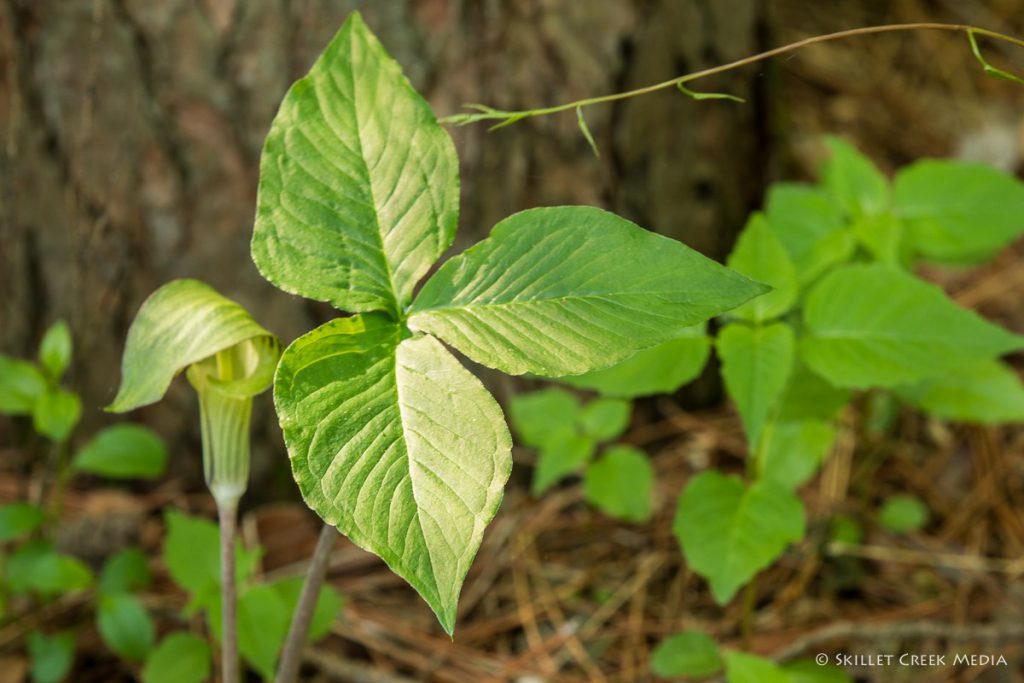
741 667
19 519
56 413
903 513
541 416
605 418
791 452
691 654
390 439
985 392
55 350
122 452
563 298
51 656
192 554
810 227
756 362
21 386
958 212
759 255
660 369
730 530
621 484
125 571
180 658
125 625
856 187
39 569
565 434
873 325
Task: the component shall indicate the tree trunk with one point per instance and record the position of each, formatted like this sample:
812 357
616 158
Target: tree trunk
132 131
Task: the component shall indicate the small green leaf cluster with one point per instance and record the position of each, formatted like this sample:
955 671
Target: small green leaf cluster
34 389
847 313
32 570
390 438
567 435
192 556
694 654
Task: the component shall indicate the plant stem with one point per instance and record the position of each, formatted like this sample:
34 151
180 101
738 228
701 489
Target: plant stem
291 656
227 511
508 117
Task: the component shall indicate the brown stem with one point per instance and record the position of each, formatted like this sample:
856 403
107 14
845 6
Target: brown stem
508 117
291 656
227 511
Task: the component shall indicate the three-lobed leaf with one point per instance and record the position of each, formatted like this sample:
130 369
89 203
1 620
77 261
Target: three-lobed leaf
873 325
359 189
395 443
729 530
565 290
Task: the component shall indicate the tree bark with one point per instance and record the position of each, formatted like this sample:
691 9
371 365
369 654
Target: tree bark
132 129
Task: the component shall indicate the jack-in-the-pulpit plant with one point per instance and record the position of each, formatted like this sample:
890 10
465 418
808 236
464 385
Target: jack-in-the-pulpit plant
229 359
390 438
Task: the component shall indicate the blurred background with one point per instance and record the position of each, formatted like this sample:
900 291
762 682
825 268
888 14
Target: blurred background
131 132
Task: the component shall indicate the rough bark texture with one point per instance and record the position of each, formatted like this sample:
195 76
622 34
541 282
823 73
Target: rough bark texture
132 131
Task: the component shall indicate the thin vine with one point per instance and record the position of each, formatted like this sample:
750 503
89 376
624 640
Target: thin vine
482 112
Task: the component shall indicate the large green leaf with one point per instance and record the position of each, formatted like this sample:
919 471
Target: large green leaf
659 369
959 212
756 361
392 441
564 290
873 325
987 392
810 227
729 531
181 323
759 254
359 189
